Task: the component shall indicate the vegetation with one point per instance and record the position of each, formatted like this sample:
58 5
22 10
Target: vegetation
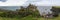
29 13
22 14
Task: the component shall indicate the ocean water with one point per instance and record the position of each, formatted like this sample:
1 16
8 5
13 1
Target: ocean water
40 8
10 7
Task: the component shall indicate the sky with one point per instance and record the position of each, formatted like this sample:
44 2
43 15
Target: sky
26 2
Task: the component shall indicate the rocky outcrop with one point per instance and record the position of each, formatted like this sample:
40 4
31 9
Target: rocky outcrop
55 11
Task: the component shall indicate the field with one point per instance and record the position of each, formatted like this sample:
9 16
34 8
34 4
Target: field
29 18
55 18
25 18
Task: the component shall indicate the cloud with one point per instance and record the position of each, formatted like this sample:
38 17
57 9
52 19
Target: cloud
40 2
3 0
26 2
56 2
13 3
43 3
30 1
47 3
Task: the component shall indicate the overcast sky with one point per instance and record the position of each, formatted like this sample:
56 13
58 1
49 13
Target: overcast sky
26 2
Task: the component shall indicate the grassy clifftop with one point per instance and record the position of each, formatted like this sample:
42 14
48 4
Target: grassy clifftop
56 6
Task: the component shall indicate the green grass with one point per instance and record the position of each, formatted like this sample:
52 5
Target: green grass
3 18
29 18
56 18
25 18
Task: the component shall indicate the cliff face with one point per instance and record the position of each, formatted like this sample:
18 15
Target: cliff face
31 7
29 10
55 11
